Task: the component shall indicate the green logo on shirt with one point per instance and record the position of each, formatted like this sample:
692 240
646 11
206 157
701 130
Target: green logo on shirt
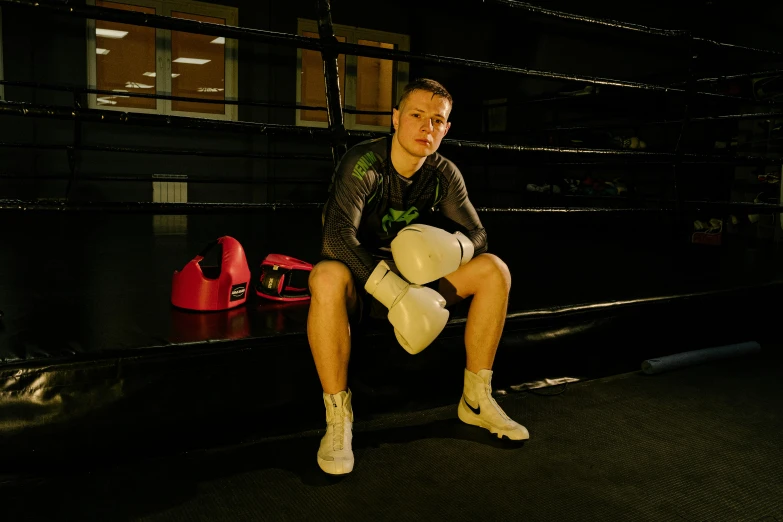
399 216
364 163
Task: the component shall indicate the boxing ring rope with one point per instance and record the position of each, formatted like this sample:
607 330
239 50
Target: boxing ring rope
145 207
330 48
191 179
172 152
182 122
695 119
76 90
636 121
773 72
154 120
615 24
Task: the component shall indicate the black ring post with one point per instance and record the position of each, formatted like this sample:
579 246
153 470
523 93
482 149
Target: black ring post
677 166
73 151
334 109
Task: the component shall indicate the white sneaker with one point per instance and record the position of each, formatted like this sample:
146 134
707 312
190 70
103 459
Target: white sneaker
335 455
478 408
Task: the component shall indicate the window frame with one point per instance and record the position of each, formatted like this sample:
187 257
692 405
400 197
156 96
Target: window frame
163 58
353 35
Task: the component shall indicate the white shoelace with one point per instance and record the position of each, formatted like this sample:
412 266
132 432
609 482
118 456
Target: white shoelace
338 431
338 427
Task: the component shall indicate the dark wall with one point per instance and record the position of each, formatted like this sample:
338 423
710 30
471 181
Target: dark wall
51 49
32 54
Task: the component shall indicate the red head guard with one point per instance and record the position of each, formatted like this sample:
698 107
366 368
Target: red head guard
211 288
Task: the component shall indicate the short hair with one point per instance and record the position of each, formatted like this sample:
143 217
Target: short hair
427 85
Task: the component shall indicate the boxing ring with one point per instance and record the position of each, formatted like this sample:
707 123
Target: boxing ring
94 360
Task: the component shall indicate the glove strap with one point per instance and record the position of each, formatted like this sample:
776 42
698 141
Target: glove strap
467 247
386 286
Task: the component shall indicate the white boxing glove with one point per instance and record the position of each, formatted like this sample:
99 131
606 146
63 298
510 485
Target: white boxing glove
424 254
417 313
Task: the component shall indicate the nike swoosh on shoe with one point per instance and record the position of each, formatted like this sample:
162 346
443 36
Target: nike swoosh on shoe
476 410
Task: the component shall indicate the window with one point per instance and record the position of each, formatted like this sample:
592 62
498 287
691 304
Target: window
126 58
368 84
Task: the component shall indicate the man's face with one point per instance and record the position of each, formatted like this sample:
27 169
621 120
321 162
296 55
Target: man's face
421 123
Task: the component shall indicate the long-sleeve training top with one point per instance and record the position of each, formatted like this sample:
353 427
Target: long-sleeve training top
369 202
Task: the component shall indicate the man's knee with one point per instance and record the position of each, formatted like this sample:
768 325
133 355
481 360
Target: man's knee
493 268
330 278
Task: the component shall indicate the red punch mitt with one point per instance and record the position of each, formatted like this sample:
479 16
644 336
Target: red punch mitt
284 278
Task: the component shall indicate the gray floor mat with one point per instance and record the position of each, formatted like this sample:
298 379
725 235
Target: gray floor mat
703 443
